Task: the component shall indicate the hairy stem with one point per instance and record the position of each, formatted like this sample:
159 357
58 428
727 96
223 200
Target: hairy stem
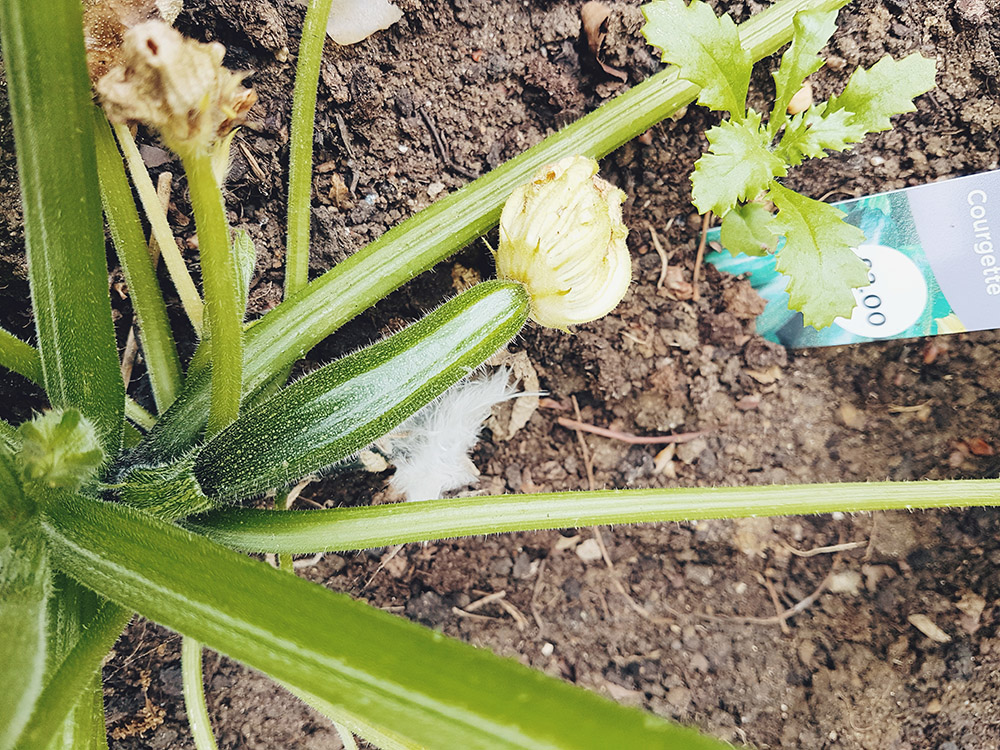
194 695
305 531
224 300
300 148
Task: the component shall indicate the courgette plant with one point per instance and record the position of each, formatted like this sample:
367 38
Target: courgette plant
107 509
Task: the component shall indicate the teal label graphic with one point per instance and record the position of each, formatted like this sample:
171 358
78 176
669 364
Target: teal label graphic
932 259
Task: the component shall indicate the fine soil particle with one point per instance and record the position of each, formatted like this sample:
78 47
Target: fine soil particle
679 619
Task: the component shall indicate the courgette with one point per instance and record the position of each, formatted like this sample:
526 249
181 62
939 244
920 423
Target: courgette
335 411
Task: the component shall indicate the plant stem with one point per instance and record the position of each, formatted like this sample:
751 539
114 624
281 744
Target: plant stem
300 148
220 278
194 695
159 349
305 531
160 228
50 108
66 686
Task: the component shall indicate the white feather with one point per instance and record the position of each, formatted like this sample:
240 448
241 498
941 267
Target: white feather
431 449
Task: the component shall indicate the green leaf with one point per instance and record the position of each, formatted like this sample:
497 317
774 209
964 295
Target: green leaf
737 167
50 101
886 89
811 133
705 48
812 30
432 690
748 229
817 257
340 408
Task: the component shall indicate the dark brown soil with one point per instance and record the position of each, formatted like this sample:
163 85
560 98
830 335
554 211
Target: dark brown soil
678 623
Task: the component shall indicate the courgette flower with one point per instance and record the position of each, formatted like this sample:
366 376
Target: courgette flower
562 236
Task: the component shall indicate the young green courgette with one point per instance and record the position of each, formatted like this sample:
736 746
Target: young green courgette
342 407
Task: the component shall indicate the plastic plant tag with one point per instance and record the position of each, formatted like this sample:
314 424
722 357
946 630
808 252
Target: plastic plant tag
933 260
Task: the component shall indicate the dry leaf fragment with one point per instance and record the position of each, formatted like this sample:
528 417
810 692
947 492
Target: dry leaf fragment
928 627
509 417
971 605
979 447
594 16
765 377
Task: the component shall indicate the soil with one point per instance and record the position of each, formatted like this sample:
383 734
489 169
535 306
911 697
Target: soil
679 619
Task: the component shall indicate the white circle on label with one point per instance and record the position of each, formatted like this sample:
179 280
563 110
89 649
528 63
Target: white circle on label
893 301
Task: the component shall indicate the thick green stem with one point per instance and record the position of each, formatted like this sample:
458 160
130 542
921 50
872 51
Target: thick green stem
220 278
295 326
194 695
300 147
81 665
162 362
50 108
160 228
304 531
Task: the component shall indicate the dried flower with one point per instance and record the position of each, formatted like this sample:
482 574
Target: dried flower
105 23
562 236
176 85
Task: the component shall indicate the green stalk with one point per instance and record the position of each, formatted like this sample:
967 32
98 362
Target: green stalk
158 347
160 228
434 691
71 679
305 531
296 325
194 695
300 147
220 277
50 105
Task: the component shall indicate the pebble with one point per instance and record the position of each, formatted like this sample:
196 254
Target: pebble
589 550
700 574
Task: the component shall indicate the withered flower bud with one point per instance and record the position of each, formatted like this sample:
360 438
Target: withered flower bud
563 237
177 86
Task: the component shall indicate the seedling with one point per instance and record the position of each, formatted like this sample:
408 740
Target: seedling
736 179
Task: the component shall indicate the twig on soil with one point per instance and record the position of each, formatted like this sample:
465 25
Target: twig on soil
483 601
824 550
628 437
535 611
470 616
705 223
777 604
443 147
781 617
664 259
385 561
587 463
519 619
